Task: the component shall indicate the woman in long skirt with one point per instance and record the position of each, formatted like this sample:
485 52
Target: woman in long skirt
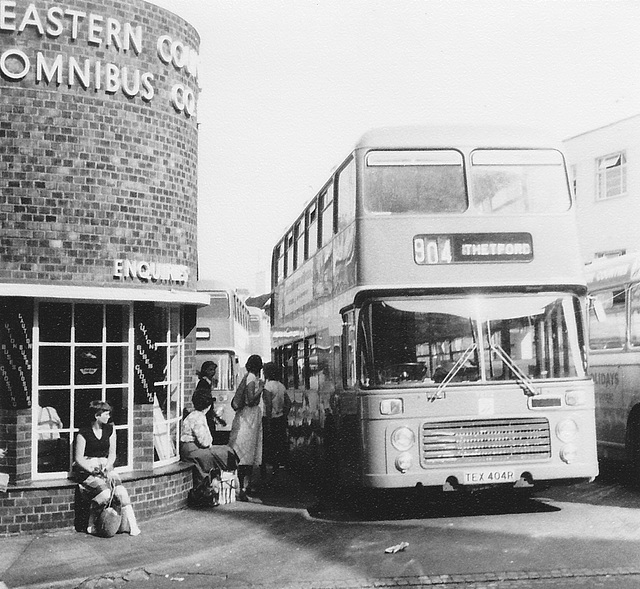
196 443
246 431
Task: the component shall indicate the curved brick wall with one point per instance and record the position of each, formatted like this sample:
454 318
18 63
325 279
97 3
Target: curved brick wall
98 161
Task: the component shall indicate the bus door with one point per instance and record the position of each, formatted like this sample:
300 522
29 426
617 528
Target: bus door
224 384
347 431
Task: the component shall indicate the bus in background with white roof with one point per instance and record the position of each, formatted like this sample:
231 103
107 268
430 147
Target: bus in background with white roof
223 336
614 363
428 311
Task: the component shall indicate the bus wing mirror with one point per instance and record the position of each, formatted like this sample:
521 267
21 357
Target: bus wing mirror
598 309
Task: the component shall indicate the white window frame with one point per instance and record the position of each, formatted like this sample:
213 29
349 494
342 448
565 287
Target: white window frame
611 176
166 429
72 428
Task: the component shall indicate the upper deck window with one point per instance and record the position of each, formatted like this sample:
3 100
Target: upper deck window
516 181
219 306
346 195
298 256
278 260
327 219
290 249
415 181
311 230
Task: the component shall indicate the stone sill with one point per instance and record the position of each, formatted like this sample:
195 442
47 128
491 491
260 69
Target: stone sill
131 475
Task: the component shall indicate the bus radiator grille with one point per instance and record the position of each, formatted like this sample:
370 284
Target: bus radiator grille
491 439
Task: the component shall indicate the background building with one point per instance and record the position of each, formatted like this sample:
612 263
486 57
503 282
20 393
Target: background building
98 259
604 166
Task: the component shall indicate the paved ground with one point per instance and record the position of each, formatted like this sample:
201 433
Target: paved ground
276 543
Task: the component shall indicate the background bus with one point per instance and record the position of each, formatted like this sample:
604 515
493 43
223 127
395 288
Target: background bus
259 333
428 309
223 335
614 364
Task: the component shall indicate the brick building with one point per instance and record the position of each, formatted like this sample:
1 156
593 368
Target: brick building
98 259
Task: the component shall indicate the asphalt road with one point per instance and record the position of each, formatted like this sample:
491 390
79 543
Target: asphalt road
584 536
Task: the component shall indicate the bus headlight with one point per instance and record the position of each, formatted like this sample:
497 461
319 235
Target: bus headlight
391 407
403 439
573 398
569 453
404 462
567 430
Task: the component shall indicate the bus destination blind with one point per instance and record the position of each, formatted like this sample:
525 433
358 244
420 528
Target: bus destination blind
472 248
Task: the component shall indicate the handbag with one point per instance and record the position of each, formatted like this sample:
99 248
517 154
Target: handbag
239 401
227 484
109 519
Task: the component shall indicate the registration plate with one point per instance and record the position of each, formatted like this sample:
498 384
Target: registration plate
489 476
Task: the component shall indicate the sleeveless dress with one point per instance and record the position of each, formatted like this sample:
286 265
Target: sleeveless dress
94 448
246 432
97 448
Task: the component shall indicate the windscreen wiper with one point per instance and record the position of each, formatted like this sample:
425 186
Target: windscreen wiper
439 394
522 378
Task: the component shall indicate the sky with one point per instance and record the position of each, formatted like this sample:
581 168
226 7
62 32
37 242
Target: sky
289 86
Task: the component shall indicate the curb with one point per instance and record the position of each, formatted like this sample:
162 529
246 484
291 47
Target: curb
451 581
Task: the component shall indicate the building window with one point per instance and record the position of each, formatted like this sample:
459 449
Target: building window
82 353
611 176
167 404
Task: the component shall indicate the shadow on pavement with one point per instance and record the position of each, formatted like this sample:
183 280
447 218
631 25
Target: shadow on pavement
390 505
612 488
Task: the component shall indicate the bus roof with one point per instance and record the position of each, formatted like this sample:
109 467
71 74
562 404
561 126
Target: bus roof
611 272
209 285
440 136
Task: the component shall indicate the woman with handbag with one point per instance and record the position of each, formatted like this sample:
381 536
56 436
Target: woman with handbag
246 431
95 456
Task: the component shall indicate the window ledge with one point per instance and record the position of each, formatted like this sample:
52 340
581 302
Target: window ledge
131 475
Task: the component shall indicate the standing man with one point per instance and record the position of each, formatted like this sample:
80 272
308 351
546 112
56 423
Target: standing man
207 382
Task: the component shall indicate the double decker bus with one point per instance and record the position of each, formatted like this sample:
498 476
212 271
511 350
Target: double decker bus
428 310
259 333
223 331
614 364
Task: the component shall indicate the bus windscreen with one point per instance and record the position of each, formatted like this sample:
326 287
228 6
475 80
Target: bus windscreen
419 342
